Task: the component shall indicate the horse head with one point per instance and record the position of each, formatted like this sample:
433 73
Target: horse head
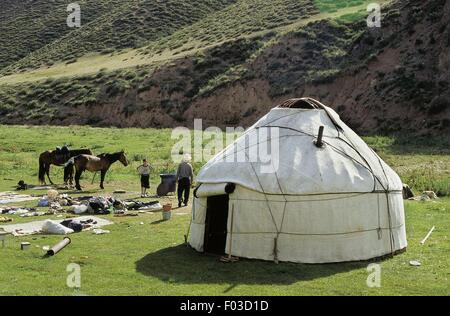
123 158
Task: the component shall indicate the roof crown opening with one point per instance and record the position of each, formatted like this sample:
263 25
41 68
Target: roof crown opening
301 103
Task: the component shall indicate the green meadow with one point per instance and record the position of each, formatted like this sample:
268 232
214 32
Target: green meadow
144 255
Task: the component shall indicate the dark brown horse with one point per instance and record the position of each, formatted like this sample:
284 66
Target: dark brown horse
95 163
58 158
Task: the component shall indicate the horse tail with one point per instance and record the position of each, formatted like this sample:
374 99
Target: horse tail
68 173
41 170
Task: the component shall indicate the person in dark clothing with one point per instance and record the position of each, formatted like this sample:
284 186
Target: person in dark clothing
185 178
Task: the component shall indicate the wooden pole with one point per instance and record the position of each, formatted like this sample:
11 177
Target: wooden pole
187 234
275 250
231 232
428 235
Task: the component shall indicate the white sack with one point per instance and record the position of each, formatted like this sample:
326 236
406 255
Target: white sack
54 228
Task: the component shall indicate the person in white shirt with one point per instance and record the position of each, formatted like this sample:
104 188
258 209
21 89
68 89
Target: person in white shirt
144 170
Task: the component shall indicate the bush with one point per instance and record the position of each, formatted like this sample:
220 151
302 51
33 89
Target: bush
439 104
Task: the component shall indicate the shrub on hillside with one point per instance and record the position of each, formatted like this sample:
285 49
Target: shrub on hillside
439 104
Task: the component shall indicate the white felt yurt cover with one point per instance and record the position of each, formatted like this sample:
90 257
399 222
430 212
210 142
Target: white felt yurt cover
338 202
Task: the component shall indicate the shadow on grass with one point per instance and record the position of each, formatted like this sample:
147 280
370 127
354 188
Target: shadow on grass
180 264
158 222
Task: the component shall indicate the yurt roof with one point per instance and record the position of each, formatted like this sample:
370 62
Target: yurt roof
345 164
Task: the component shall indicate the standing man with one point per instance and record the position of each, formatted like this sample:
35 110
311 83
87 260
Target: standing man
144 171
185 178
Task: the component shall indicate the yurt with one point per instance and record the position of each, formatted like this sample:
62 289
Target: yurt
324 197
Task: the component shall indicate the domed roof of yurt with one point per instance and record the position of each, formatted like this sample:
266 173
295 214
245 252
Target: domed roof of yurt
315 193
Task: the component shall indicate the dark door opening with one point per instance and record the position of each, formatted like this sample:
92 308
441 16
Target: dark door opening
216 224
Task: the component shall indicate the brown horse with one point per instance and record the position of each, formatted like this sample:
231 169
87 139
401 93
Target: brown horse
95 163
58 158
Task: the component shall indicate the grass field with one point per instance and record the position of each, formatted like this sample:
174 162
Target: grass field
151 259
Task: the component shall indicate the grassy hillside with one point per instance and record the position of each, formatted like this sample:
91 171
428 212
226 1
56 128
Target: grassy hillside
187 42
233 64
28 25
241 19
65 100
55 99
106 27
175 26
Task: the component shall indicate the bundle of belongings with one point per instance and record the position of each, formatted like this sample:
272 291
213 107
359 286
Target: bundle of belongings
69 226
142 206
15 210
96 205
22 211
89 204
106 205
101 205
58 227
54 201
425 196
22 185
77 225
4 219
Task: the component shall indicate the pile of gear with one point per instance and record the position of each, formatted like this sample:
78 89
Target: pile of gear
15 210
95 205
21 211
58 226
107 205
98 205
142 206
54 201
67 226
85 204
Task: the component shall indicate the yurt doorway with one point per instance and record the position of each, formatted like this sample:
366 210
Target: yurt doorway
216 224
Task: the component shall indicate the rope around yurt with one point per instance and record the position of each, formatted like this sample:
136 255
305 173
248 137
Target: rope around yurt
386 190
365 164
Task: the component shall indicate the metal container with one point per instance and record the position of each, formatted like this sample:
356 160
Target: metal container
168 184
167 211
167 215
25 245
